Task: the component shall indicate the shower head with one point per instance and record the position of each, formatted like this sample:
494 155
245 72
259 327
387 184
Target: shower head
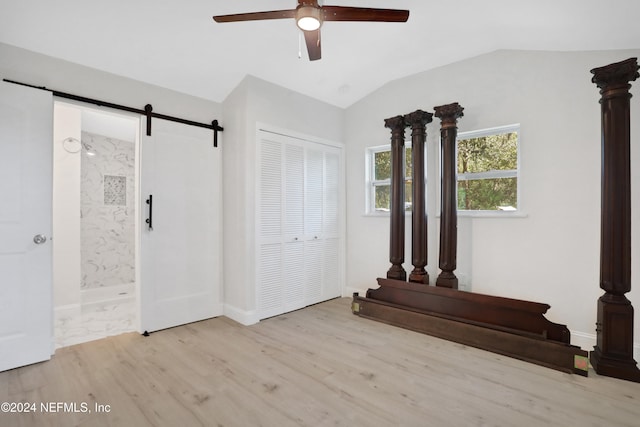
74 145
89 151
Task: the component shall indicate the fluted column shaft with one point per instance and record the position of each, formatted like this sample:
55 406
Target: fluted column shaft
396 246
418 121
448 115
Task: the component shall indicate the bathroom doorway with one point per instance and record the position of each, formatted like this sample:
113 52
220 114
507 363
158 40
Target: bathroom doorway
95 223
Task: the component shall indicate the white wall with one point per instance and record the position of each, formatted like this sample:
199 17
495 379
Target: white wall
66 208
552 254
256 101
41 70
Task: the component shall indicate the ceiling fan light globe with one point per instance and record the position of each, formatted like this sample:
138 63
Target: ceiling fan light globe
308 23
308 18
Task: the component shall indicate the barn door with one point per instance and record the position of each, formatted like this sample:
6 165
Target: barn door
26 305
181 234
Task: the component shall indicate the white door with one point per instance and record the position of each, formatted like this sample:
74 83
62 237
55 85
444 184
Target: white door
298 228
26 305
181 254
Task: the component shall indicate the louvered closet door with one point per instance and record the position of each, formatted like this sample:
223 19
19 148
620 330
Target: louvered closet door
281 275
269 281
331 283
298 228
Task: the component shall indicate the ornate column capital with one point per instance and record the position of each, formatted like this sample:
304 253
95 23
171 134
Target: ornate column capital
449 114
395 123
612 75
418 119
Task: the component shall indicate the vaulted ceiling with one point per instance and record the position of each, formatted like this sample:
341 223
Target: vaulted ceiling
177 45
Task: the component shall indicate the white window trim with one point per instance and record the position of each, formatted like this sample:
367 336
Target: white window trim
370 183
518 213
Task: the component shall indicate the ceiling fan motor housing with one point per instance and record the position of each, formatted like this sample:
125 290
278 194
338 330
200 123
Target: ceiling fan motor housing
308 18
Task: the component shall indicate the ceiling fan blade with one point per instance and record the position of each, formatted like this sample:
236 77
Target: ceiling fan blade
313 44
256 16
340 13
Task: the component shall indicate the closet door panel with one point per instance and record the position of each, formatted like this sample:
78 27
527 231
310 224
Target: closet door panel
269 293
313 193
270 220
331 195
294 275
294 192
314 263
270 290
331 283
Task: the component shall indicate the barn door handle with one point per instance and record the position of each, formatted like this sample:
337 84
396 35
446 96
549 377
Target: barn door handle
149 220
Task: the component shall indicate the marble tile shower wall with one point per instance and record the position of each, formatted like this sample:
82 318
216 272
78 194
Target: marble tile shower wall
107 224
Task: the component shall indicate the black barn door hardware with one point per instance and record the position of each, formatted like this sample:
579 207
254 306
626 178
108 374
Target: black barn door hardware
148 110
216 128
149 220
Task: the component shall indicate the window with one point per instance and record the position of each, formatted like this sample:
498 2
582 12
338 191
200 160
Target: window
379 178
487 163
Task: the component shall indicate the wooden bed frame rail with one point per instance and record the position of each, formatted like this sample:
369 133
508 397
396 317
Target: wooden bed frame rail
511 327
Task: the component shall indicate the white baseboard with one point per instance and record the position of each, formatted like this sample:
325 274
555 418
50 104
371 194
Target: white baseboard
243 317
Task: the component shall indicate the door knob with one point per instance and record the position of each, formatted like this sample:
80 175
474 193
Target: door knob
39 239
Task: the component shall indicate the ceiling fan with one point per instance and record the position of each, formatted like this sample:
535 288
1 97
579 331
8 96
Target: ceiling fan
309 17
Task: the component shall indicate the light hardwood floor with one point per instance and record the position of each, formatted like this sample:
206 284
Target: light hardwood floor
319 366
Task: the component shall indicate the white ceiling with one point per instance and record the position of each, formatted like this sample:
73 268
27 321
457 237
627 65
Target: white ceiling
177 45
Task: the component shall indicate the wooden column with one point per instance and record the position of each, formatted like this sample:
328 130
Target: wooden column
613 353
418 121
448 115
396 247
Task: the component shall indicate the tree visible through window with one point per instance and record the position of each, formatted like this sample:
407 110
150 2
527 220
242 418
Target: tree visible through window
381 179
488 170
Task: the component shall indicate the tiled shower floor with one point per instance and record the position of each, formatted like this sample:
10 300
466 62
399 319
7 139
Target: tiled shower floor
94 321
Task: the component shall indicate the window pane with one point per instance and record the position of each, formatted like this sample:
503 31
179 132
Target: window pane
382 165
488 194
381 179
408 167
408 196
383 197
487 153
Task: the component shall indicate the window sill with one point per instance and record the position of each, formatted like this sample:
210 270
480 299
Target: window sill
381 214
492 214
461 214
